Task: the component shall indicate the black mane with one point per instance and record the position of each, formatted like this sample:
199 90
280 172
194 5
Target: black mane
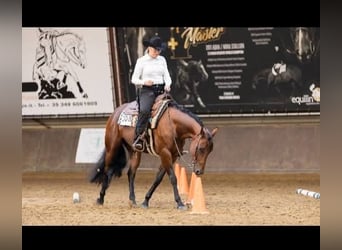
174 104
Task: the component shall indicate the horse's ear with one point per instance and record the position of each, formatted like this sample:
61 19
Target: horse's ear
214 131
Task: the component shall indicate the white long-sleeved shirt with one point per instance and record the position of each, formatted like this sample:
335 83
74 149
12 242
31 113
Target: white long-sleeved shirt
148 68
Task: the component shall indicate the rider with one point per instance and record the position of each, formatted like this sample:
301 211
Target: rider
279 66
152 78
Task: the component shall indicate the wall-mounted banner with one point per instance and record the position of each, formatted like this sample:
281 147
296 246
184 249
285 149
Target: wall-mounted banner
90 145
66 71
222 70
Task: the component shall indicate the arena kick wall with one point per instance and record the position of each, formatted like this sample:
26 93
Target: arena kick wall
239 147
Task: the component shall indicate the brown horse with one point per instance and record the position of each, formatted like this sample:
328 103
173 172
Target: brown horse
165 140
285 84
189 76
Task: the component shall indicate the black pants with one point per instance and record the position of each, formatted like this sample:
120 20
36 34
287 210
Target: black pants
147 96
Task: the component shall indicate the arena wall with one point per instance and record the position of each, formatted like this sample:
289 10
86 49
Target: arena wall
239 147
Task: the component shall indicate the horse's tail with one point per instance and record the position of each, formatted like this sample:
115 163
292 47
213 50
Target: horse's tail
97 173
116 165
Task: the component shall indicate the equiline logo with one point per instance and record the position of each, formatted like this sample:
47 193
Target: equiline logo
302 99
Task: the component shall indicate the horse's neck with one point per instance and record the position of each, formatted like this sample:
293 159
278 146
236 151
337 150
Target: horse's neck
186 126
64 42
184 75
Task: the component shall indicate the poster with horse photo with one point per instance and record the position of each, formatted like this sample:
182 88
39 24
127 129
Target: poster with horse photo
66 71
223 70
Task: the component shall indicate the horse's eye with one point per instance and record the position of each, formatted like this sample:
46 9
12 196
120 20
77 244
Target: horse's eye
201 150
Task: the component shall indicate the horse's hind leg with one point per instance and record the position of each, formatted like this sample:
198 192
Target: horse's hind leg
105 184
104 187
107 174
155 184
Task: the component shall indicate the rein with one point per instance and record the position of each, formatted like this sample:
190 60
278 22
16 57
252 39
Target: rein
194 160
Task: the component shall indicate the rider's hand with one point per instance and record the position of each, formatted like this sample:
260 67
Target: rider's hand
167 88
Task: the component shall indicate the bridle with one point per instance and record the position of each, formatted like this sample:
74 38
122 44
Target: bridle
194 159
193 163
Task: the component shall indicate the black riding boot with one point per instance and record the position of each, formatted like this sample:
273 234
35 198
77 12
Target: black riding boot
138 143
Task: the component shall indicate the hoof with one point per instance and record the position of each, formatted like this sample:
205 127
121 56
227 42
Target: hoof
132 204
143 205
189 205
99 201
182 207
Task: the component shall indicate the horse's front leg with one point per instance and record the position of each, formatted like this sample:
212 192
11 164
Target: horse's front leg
131 177
197 95
134 164
155 184
72 73
173 180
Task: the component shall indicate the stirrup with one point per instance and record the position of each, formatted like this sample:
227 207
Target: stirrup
138 144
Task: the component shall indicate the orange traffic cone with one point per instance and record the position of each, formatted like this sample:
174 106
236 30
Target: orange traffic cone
183 185
198 206
191 189
177 173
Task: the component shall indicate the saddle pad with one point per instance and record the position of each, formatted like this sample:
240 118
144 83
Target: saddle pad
127 119
131 108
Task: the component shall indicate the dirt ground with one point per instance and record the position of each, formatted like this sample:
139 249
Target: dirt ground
230 199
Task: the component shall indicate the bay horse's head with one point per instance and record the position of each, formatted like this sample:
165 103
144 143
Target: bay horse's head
71 47
194 70
304 41
200 148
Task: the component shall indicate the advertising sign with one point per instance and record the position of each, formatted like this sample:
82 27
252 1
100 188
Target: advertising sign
247 70
66 71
